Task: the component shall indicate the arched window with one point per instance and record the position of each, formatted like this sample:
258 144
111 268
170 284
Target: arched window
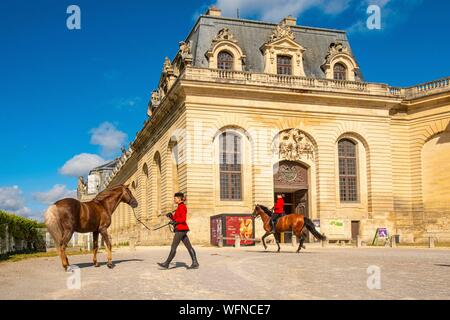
284 65
175 162
230 166
348 175
340 72
224 60
157 195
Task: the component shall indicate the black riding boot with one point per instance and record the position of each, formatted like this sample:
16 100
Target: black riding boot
274 226
166 264
194 264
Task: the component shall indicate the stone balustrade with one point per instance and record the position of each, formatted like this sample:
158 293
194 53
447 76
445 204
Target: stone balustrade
424 89
283 81
294 82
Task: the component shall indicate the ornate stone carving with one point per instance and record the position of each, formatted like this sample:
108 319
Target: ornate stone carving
225 40
224 34
335 49
155 98
185 48
281 31
167 65
293 145
290 174
82 187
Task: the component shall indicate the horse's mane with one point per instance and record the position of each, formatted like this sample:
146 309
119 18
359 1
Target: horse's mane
265 209
106 193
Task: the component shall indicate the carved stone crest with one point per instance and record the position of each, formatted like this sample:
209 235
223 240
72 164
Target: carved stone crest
224 34
294 145
334 49
289 174
282 31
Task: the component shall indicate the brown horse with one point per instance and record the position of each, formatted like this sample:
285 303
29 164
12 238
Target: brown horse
67 216
290 222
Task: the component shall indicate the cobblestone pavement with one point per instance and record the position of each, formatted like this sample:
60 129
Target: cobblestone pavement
244 273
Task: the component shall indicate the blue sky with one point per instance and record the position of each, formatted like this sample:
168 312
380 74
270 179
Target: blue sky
80 94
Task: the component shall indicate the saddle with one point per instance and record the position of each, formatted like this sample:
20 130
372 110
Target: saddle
276 217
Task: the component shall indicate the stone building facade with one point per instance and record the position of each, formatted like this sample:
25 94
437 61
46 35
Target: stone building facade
247 109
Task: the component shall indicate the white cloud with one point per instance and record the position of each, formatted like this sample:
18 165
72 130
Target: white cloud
127 102
11 200
57 192
81 164
269 10
109 138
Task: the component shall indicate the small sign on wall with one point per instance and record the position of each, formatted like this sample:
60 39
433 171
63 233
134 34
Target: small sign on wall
336 227
380 233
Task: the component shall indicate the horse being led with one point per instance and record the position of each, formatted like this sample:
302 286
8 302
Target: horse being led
67 216
290 222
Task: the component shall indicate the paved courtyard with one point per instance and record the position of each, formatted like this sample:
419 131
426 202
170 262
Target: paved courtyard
244 273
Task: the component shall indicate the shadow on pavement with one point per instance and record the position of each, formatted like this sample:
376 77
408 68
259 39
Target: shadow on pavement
442 265
281 252
90 264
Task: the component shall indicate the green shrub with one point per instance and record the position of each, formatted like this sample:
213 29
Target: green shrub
22 229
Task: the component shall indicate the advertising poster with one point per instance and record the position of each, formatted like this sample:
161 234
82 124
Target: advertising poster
241 226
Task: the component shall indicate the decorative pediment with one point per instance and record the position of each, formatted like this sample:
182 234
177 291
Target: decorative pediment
293 145
282 42
339 53
225 41
336 49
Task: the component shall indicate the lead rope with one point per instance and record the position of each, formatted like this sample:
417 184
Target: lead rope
170 226
140 220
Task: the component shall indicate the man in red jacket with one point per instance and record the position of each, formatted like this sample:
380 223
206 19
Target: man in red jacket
181 230
278 211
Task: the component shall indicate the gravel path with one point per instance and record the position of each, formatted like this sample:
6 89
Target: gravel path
244 273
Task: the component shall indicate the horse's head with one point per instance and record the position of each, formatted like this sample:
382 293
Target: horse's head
256 211
128 197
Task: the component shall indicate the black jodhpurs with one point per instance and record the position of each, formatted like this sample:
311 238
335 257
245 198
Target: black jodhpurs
178 237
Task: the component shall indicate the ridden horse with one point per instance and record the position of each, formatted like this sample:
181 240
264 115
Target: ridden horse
67 216
291 222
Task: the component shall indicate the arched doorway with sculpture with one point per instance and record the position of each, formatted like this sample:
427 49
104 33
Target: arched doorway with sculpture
295 173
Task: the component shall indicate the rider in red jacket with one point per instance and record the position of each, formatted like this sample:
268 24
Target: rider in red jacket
180 217
278 210
181 230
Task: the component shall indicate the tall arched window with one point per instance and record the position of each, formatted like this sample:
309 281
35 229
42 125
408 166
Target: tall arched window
348 175
175 162
340 72
284 65
157 195
230 166
225 60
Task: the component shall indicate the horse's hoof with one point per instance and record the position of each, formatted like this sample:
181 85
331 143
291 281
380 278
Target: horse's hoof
96 264
110 265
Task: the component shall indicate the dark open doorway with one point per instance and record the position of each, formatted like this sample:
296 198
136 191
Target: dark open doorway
290 178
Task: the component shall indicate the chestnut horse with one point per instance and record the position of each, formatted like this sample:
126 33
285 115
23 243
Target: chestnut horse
291 222
67 216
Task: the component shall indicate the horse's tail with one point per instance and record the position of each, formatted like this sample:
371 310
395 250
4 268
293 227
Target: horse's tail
53 224
312 228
